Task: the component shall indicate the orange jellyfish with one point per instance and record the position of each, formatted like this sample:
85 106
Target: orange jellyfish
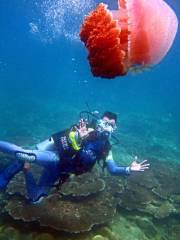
139 33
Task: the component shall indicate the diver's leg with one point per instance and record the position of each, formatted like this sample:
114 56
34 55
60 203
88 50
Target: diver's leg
31 186
13 150
48 178
9 148
40 157
9 172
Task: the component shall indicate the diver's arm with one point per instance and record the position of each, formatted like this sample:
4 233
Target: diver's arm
133 167
113 168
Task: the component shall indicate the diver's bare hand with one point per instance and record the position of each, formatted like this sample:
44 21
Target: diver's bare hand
139 167
82 128
83 123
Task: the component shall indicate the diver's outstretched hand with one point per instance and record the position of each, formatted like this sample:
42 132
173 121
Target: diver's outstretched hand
82 128
139 167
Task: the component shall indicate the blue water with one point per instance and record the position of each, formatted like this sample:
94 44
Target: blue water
45 81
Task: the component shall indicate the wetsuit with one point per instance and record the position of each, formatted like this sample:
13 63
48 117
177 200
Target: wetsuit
56 165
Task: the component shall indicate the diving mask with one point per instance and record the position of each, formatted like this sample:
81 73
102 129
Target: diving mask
105 126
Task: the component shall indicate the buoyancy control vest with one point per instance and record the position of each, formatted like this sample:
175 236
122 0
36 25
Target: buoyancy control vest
98 147
92 146
63 144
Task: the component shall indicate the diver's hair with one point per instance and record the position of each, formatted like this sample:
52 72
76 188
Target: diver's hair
110 115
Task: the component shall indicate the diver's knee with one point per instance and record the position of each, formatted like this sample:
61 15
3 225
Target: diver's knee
9 148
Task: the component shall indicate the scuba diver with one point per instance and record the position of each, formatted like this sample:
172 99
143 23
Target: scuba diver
72 151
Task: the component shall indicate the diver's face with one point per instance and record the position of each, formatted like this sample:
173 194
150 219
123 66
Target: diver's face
106 125
110 122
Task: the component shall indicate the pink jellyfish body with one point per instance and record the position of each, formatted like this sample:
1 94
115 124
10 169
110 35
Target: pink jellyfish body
139 33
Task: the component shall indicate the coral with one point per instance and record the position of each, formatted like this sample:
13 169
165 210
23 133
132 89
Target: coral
9 233
156 192
126 229
82 186
44 236
91 199
147 225
99 237
68 210
108 233
164 209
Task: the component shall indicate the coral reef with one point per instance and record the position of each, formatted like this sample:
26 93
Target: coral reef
155 192
148 203
91 199
62 213
82 186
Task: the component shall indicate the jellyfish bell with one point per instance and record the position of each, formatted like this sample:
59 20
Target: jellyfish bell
137 69
140 33
153 28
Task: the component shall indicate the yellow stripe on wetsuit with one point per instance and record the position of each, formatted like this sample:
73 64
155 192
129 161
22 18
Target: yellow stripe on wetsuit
74 140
